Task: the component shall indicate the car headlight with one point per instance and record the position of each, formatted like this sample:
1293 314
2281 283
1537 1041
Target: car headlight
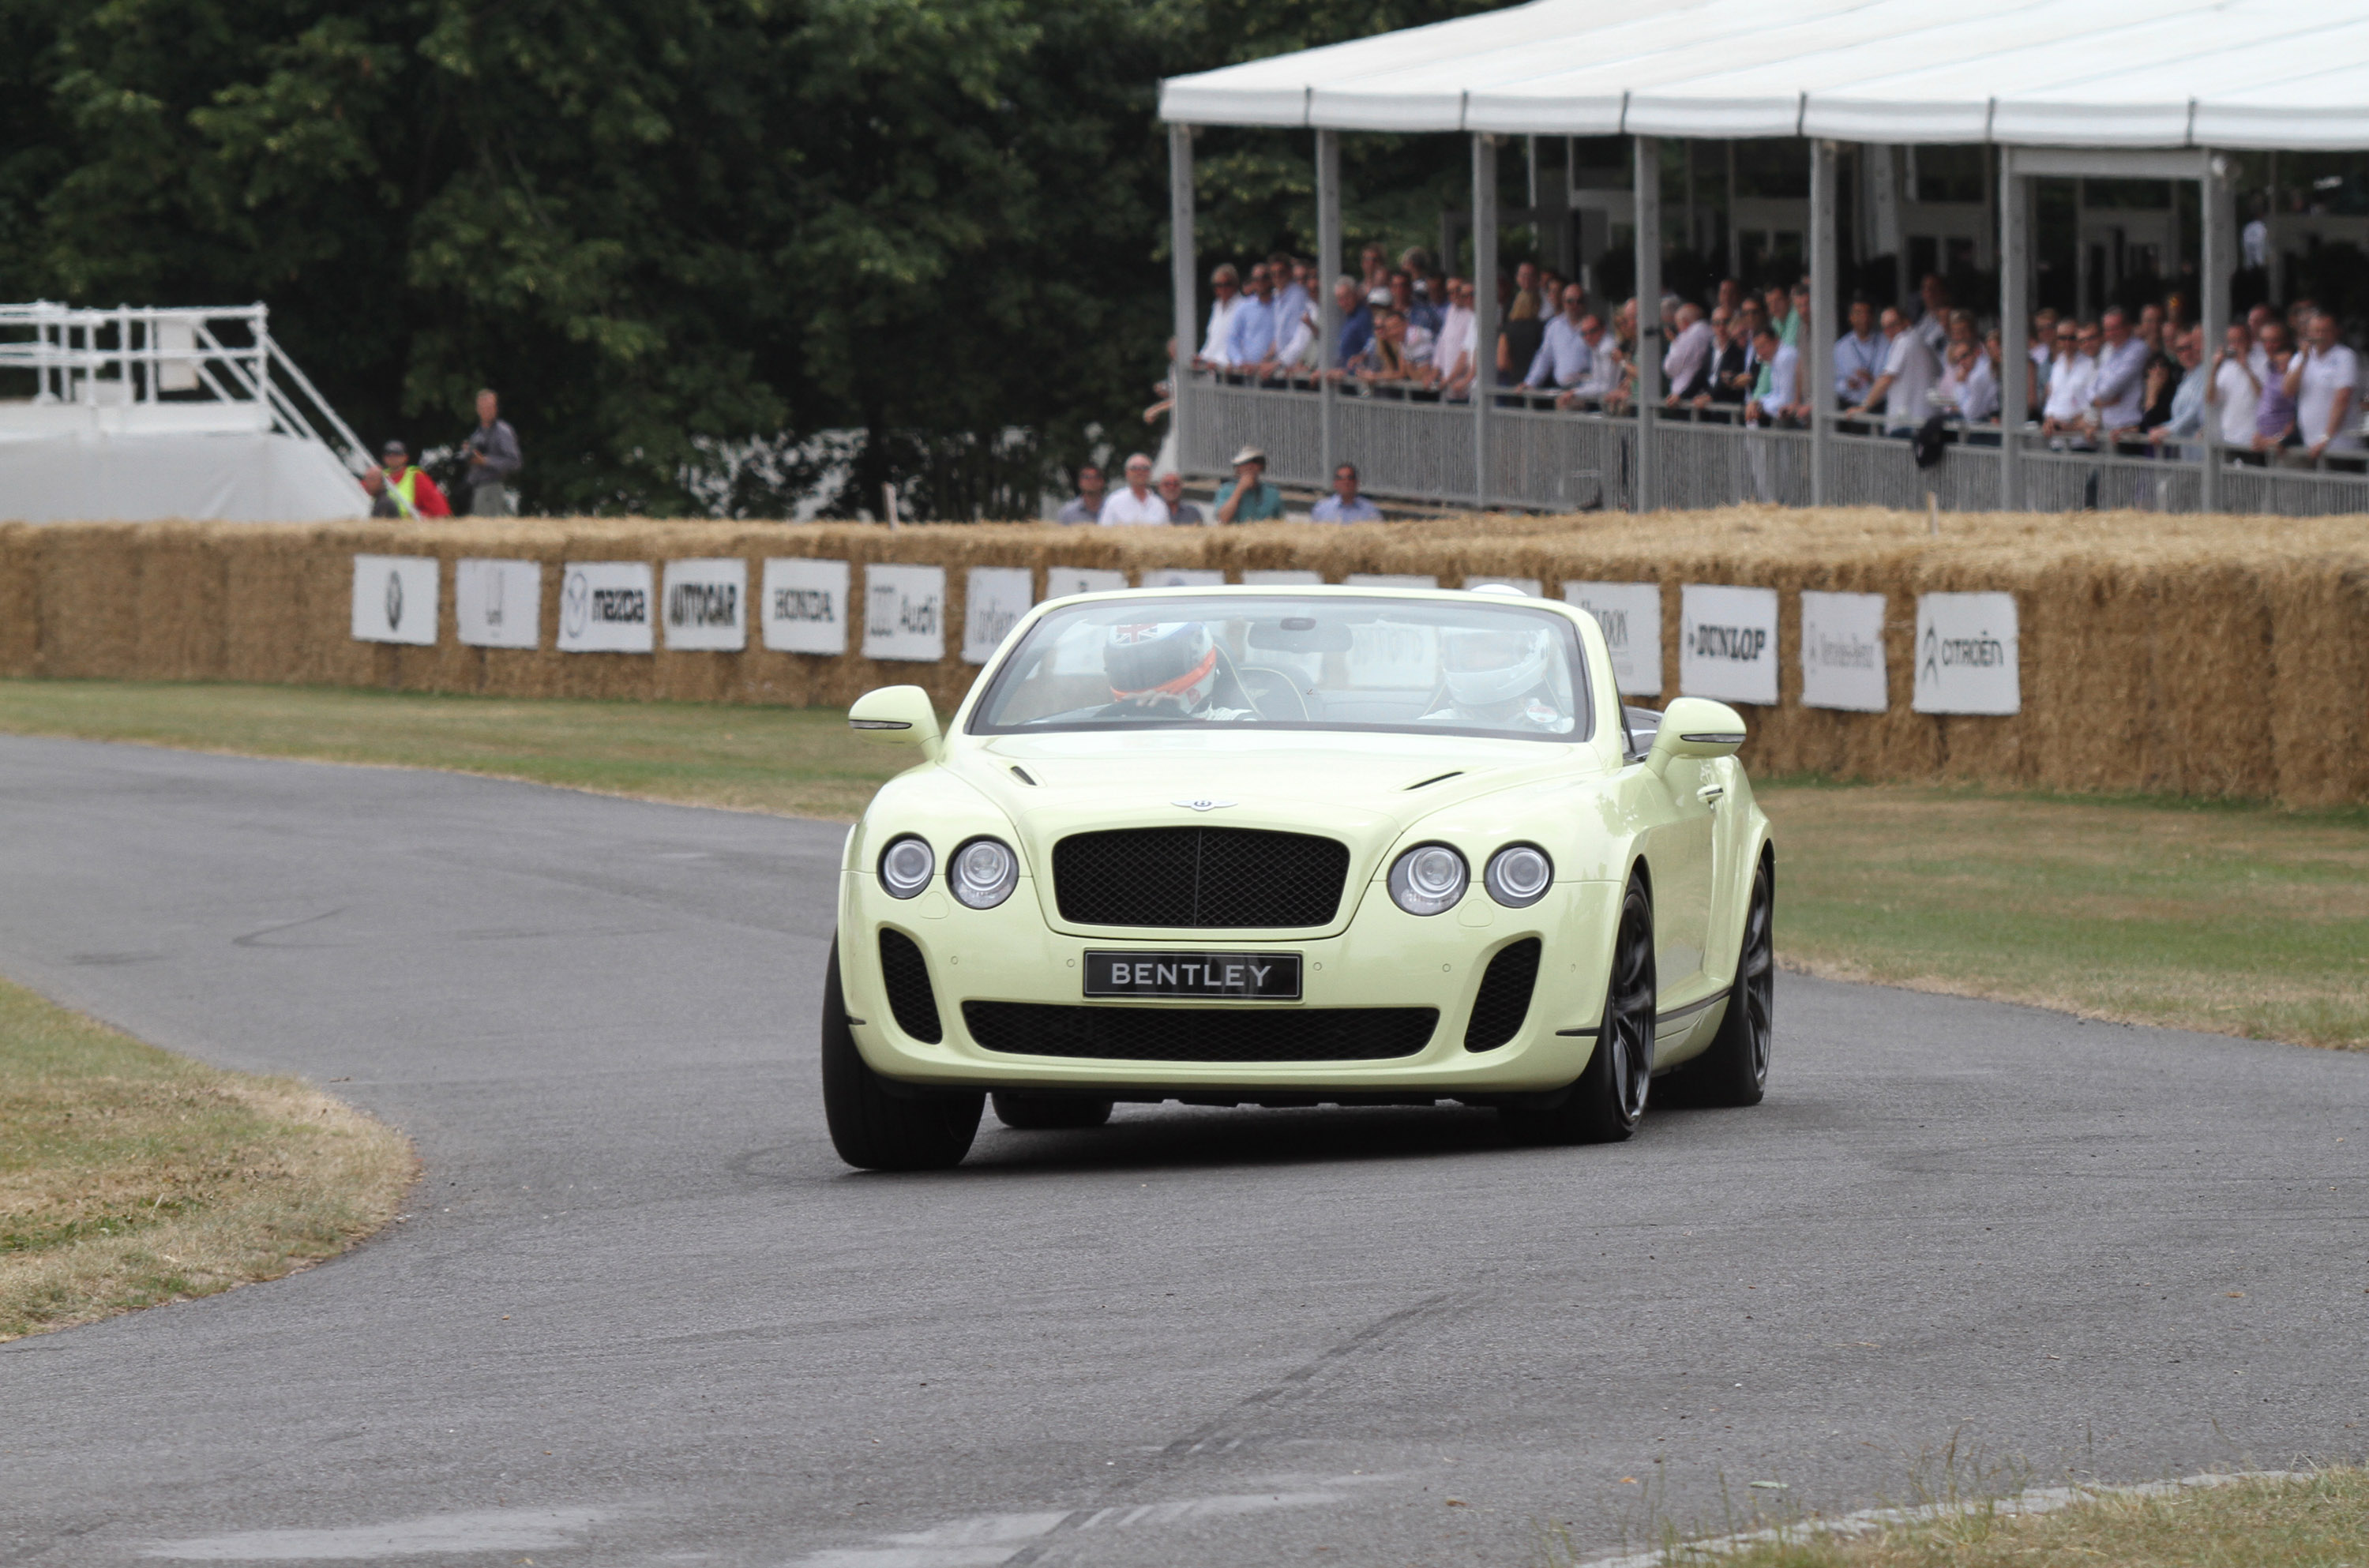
907 865
1518 876
1427 879
984 873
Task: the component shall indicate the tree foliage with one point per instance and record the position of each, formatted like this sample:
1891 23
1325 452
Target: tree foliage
664 228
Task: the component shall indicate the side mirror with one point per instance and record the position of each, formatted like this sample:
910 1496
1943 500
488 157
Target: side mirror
897 715
1696 727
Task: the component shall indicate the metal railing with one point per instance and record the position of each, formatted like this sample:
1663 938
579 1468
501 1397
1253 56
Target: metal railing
146 355
1415 448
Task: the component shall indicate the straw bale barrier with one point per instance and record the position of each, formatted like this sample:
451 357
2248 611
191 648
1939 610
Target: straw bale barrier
2205 657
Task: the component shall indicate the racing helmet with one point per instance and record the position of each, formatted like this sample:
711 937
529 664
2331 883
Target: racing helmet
1484 667
1161 662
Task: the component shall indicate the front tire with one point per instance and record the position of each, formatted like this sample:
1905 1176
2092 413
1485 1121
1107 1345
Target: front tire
1734 1069
1049 1113
1607 1103
873 1127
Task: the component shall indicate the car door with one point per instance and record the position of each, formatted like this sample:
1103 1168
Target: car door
1678 847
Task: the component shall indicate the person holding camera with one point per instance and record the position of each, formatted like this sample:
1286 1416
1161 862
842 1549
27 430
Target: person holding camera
492 450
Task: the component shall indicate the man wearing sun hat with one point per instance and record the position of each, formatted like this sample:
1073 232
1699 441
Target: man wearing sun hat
1247 497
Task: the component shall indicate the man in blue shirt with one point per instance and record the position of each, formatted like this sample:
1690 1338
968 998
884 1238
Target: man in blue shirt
1344 504
1356 321
1859 354
1251 338
1564 357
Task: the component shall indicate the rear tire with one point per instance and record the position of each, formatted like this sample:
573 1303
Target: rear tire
1604 1105
876 1126
1734 1069
1049 1113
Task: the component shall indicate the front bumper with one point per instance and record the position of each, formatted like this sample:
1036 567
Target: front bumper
1384 958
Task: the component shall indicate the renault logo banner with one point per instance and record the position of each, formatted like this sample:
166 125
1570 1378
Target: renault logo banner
394 599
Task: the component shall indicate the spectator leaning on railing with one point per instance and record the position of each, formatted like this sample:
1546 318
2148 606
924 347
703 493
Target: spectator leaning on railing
1249 338
1909 374
1564 356
2235 390
1859 354
1223 282
1686 367
2324 379
2117 399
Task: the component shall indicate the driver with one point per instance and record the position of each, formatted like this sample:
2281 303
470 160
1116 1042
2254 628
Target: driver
1163 670
1499 678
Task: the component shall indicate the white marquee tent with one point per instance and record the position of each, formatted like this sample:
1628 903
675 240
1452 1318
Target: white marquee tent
2152 89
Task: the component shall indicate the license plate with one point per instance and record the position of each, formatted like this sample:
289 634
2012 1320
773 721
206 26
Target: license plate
1260 976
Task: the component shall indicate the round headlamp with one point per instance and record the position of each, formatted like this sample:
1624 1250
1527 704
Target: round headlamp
983 873
1518 876
906 866
1427 879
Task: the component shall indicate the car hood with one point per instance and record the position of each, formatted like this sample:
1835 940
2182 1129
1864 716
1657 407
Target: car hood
1365 790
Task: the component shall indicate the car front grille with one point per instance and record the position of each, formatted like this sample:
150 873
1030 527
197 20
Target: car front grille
1504 999
1200 1033
1204 878
905 974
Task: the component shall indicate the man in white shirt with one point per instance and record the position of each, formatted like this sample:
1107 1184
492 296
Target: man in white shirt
1563 357
1782 402
1689 358
2324 381
1858 355
1909 373
1225 283
1136 503
2118 398
1452 358
1967 387
1603 377
2235 390
1933 327
2071 376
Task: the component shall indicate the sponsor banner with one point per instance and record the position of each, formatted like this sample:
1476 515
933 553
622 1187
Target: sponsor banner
1390 579
1531 586
1283 578
1181 576
1631 615
706 603
1966 657
905 612
394 599
1727 643
994 598
1062 581
497 603
606 607
803 606
1842 652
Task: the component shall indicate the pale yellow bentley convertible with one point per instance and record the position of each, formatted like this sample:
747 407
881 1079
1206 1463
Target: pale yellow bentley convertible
1296 846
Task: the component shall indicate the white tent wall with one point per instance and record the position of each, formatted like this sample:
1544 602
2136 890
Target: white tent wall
253 476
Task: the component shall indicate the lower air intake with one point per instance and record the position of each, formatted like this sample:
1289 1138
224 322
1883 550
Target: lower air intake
1503 1000
1200 1033
906 975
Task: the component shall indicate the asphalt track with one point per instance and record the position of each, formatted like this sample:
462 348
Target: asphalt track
640 1314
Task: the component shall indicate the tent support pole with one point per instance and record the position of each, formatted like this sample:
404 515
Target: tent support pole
1821 326
1328 309
2214 253
1182 263
1484 308
2015 326
1648 490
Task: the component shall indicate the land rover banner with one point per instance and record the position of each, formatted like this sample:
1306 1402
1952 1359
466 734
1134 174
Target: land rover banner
497 603
994 598
394 599
804 606
1631 615
1727 643
606 607
905 612
706 603
1842 652
1966 656
1062 581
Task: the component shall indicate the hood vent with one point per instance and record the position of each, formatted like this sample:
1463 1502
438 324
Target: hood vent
1020 774
1436 778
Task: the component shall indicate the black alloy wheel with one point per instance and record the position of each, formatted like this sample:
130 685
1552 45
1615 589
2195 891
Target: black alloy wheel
1734 1069
1048 1113
877 1125
1604 1105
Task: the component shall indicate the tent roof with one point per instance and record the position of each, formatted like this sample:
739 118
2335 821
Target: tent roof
2259 73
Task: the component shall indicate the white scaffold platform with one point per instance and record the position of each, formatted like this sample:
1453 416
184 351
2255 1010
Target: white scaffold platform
139 414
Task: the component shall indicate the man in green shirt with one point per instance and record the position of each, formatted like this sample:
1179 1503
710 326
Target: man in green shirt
1247 497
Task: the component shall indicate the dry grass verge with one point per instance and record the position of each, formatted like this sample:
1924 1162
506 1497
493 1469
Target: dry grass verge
129 1176
2316 1521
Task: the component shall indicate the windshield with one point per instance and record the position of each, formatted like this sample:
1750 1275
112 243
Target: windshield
1429 666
